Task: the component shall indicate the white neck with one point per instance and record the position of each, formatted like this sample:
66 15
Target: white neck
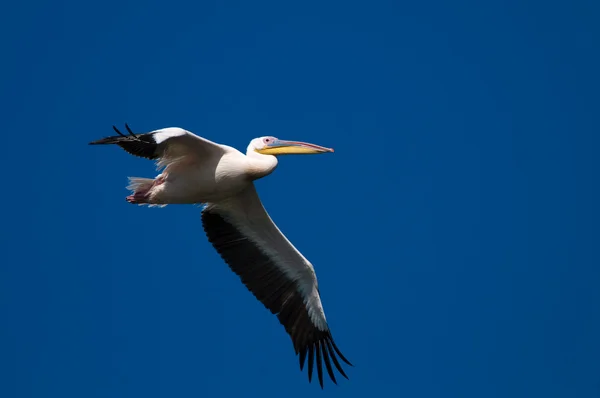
259 165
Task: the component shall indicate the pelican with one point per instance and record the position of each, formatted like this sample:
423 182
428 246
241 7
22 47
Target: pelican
196 170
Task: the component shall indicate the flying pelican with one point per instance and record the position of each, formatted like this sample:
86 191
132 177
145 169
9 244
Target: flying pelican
196 170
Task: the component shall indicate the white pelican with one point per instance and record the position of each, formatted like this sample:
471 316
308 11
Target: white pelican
197 170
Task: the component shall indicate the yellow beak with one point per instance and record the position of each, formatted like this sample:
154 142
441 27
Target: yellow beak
282 147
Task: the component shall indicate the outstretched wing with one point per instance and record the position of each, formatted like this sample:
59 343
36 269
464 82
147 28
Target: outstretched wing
276 273
164 144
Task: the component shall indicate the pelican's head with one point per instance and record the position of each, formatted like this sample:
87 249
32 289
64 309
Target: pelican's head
275 146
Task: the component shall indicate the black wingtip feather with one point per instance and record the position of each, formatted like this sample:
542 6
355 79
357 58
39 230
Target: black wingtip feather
129 130
328 363
105 141
335 361
310 363
339 353
118 132
319 363
302 358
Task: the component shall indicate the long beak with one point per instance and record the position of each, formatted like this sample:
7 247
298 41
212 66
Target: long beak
282 147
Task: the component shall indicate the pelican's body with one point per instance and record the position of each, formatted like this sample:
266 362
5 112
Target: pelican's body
196 170
212 180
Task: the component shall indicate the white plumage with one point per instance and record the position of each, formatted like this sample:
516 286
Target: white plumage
196 170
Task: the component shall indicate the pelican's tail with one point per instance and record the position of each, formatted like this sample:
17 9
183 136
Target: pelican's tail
140 189
137 184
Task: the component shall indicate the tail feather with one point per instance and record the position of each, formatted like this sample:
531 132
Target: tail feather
140 189
139 184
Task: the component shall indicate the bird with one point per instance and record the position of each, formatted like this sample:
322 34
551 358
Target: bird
196 170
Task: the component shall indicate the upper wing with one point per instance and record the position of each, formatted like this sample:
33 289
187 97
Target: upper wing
276 273
164 144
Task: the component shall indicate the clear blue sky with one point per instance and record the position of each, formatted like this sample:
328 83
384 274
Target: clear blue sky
454 231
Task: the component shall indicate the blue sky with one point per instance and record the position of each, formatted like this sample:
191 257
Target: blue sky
454 231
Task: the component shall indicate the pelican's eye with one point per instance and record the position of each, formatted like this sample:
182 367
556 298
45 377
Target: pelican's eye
268 140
